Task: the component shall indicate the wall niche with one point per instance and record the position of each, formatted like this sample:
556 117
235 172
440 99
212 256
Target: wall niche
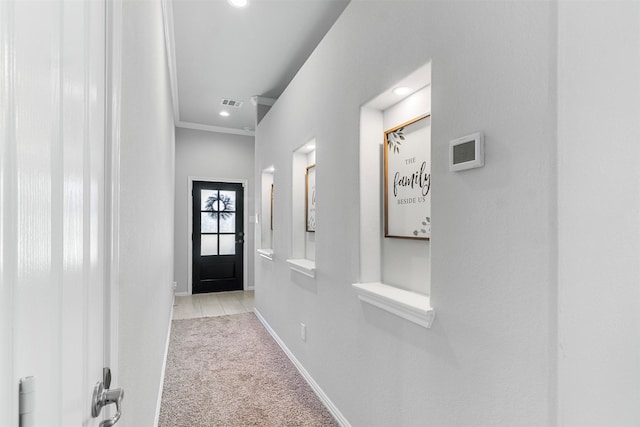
267 197
395 271
303 245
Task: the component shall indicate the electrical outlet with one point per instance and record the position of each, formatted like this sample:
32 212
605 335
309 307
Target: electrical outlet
174 285
303 332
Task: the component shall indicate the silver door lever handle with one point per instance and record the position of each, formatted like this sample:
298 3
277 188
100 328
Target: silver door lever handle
103 397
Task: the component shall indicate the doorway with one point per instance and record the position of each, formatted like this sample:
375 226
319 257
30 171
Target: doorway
217 236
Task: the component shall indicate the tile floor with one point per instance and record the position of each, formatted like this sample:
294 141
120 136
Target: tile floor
214 304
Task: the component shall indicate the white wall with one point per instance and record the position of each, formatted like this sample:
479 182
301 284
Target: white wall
146 211
599 213
210 155
488 359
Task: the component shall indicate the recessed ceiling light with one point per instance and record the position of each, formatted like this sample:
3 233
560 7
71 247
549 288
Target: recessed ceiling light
224 113
402 90
238 3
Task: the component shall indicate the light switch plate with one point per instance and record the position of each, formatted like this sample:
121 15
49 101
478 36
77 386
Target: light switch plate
303 332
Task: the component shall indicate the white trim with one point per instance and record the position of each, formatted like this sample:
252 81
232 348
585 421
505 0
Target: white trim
303 266
261 100
245 221
113 113
209 128
411 306
312 383
164 365
181 294
170 45
266 253
8 212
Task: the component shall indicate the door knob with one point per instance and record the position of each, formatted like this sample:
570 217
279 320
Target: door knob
103 397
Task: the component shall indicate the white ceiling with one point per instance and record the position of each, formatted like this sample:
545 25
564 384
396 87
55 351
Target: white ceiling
224 52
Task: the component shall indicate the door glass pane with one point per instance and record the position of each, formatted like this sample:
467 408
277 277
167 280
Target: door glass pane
207 198
227 223
227 244
209 244
208 223
229 200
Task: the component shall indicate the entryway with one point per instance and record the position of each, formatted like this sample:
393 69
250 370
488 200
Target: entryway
217 237
214 304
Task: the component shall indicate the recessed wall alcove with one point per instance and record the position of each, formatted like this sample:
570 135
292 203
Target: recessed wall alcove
267 196
303 245
395 273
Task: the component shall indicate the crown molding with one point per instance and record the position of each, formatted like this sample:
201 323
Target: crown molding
218 129
170 45
261 100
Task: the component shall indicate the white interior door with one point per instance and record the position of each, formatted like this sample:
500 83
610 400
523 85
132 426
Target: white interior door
52 207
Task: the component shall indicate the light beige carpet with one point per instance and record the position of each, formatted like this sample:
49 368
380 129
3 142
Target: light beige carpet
228 371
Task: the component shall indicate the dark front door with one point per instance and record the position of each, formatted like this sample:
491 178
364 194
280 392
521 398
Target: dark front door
218 236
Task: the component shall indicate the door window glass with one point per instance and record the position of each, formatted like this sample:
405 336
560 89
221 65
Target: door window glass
228 223
208 223
227 244
205 196
229 199
217 222
209 244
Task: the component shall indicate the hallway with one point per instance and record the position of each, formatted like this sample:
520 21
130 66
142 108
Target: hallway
224 369
521 307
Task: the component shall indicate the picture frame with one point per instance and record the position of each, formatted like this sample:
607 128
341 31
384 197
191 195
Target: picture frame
310 198
407 180
271 208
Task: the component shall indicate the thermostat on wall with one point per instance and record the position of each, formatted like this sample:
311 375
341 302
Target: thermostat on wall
466 152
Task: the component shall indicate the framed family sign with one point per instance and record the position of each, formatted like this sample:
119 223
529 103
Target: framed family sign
311 198
407 180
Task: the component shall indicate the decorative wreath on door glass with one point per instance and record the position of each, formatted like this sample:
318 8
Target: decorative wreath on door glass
219 204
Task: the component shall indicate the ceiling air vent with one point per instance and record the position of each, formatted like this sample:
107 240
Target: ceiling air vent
231 103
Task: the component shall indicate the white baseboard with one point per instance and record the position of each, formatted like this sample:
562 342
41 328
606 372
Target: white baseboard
314 386
164 365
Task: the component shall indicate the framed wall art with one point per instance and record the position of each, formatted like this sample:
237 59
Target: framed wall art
407 180
311 198
271 208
